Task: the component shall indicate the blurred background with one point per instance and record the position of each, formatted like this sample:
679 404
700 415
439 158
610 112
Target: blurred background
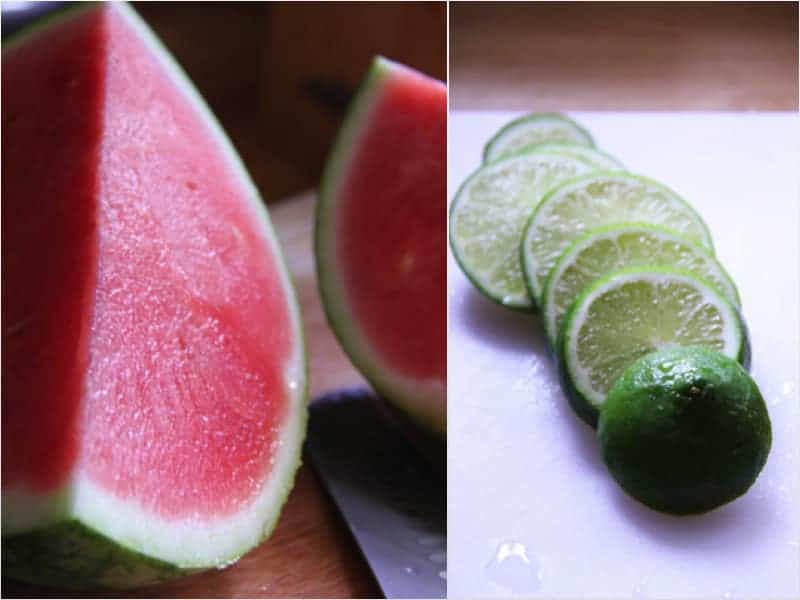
279 77
624 55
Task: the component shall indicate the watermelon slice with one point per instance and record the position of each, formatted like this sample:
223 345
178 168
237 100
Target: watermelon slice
153 365
380 238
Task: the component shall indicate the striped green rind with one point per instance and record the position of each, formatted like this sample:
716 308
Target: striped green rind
413 398
526 132
71 555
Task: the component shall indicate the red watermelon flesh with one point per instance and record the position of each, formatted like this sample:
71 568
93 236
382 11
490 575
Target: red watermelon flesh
394 260
381 246
152 350
49 242
183 281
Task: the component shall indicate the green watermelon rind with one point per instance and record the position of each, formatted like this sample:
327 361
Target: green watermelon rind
128 566
93 560
407 394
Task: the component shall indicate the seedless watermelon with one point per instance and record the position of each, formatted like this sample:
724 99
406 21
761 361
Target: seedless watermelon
153 365
380 238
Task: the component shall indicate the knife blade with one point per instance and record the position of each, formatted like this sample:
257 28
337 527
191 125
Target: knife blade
389 489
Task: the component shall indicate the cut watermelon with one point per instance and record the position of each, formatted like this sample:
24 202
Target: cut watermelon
380 238
153 364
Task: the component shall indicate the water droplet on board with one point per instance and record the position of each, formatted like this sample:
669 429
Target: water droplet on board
443 574
513 570
640 591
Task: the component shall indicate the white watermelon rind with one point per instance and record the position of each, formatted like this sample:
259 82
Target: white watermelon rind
420 400
142 548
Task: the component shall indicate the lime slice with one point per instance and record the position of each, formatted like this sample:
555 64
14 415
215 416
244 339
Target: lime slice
633 312
594 200
530 130
601 160
616 247
489 212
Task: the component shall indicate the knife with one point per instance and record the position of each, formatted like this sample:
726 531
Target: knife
388 481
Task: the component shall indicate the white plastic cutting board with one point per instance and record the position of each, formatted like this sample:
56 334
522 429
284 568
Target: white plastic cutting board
532 510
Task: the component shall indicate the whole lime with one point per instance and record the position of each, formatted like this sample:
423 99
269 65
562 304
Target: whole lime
685 430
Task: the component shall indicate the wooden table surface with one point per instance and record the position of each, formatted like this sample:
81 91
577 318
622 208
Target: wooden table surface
311 554
553 56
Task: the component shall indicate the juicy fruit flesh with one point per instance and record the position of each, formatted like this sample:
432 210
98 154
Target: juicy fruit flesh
49 247
624 247
598 201
489 214
641 314
189 324
685 430
189 387
598 158
391 240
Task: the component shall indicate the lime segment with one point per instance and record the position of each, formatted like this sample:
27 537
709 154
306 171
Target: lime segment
633 312
606 249
527 131
601 160
594 200
488 214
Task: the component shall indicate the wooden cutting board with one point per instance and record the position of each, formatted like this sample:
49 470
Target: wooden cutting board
311 553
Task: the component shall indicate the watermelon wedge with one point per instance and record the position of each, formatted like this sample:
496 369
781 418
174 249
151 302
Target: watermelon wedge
153 365
380 238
